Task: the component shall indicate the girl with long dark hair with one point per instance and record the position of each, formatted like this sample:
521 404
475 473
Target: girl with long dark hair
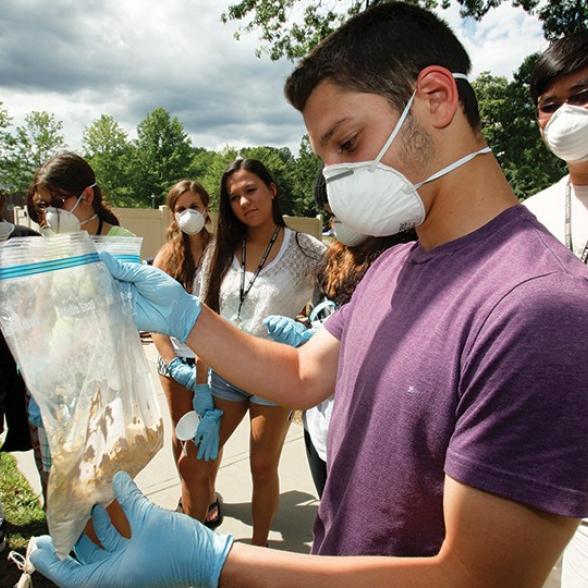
258 266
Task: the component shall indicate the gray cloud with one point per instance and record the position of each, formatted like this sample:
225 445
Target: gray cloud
128 57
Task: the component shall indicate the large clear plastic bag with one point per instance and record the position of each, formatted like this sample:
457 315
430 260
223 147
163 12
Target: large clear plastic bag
71 331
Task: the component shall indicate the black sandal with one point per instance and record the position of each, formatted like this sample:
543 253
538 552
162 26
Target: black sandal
218 520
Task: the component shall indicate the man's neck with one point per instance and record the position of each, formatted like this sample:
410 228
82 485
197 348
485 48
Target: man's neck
464 201
579 173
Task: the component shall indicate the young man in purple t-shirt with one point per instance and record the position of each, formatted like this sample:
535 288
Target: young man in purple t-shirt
458 451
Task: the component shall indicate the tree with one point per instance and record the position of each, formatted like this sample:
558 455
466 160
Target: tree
32 144
303 173
162 157
109 152
290 28
211 166
6 144
509 125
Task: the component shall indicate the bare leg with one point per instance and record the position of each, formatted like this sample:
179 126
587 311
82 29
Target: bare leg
269 425
198 476
179 401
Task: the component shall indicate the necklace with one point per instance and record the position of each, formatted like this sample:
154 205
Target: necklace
243 291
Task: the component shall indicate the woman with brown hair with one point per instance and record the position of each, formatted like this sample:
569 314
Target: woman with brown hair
185 387
257 266
64 197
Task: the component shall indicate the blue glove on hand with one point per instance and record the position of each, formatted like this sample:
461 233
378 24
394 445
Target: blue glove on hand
208 433
202 400
182 373
35 413
286 330
167 549
160 304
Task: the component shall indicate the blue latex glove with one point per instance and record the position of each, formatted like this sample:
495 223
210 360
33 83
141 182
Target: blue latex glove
167 549
182 373
208 433
286 330
160 304
35 414
202 400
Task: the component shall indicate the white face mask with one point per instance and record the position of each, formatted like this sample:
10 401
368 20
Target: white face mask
60 220
190 221
376 199
347 236
566 133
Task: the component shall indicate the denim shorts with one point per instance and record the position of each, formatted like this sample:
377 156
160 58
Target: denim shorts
222 389
162 366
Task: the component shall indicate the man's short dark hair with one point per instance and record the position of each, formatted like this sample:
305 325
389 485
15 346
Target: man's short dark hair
381 51
564 56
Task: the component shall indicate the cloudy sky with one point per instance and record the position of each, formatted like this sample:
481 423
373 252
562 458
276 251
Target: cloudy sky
82 58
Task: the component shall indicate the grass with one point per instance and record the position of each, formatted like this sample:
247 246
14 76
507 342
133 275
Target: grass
25 519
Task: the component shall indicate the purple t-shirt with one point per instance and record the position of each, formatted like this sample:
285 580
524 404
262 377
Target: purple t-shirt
467 360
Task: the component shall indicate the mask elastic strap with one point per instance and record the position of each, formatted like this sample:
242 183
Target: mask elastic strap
395 130
82 223
454 165
80 197
402 118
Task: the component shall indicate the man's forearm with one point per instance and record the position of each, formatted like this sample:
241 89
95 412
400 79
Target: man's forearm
254 567
268 369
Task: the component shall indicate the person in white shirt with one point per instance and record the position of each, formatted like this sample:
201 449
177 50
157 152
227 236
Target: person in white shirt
559 88
257 267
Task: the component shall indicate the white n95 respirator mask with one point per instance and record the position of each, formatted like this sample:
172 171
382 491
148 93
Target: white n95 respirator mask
60 220
347 236
375 199
190 221
566 133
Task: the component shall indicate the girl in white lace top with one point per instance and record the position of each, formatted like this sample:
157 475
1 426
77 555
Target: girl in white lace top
256 267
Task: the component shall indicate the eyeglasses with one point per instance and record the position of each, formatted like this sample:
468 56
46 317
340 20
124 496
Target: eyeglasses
55 202
578 98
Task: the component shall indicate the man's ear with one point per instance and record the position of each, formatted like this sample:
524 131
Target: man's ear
438 88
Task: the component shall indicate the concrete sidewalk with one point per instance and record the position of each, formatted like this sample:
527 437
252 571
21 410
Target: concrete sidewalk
292 527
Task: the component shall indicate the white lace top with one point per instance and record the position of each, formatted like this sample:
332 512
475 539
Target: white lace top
282 287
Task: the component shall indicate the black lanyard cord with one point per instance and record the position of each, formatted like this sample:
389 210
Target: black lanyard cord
568 224
242 290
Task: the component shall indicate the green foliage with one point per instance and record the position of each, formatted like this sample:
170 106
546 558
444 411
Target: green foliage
32 143
6 145
562 17
290 28
109 152
509 125
303 176
208 167
163 155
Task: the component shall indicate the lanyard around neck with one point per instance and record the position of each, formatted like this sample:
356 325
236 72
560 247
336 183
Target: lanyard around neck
242 290
568 224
